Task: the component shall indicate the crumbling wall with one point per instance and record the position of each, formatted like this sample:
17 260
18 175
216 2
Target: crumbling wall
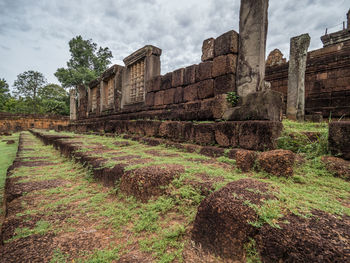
327 80
197 92
20 122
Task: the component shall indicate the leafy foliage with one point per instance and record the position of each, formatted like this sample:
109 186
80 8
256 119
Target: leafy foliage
87 62
54 100
28 84
4 93
32 96
232 98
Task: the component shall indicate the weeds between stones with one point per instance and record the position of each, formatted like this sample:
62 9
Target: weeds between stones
158 230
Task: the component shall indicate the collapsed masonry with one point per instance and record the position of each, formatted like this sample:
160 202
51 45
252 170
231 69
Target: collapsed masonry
230 64
327 76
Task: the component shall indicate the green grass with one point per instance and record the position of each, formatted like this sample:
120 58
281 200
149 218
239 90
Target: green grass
293 126
162 225
293 138
7 156
41 228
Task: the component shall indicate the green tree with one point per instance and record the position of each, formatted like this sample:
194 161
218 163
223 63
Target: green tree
87 62
28 85
4 94
54 100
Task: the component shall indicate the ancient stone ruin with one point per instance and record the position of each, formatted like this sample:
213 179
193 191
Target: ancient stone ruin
296 77
191 160
327 77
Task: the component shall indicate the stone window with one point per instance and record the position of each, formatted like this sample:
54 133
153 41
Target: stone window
94 99
136 84
141 66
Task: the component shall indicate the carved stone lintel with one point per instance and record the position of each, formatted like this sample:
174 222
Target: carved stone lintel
146 51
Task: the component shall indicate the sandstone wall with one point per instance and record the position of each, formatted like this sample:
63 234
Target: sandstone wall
19 122
327 80
197 92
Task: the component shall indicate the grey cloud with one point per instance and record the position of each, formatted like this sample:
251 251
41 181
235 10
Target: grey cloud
178 27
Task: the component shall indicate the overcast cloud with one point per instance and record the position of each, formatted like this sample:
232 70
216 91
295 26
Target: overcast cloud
34 34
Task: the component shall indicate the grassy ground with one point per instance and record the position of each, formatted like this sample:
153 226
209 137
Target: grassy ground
159 230
7 155
312 187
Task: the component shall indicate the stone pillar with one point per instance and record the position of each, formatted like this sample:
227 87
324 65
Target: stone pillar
296 77
73 105
348 17
253 22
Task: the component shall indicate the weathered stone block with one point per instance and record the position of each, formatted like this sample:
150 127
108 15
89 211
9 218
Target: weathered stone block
191 93
223 221
226 134
204 71
143 183
277 162
159 98
206 89
151 128
169 96
265 105
219 106
259 135
179 93
166 81
212 151
208 49
204 134
339 139
226 44
224 84
245 160
224 65
190 75
153 84
149 99
178 78
337 166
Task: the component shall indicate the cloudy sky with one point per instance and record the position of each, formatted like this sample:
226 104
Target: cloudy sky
34 34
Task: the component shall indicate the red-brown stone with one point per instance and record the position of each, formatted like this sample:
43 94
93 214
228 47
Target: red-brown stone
204 71
224 84
206 89
191 93
178 78
245 160
277 162
225 64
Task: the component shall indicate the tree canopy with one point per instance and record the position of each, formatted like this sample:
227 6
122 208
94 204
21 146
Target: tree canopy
4 93
28 84
87 62
34 95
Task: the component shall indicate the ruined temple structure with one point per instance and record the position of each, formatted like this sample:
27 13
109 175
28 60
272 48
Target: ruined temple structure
10 122
135 98
327 76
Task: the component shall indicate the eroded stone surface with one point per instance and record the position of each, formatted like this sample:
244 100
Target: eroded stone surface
277 162
252 46
222 222
296 77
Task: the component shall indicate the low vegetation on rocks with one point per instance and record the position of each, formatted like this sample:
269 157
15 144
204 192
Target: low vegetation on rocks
92 198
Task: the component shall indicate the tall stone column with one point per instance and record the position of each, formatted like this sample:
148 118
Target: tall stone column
348 17
253 23
296 77
73 105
